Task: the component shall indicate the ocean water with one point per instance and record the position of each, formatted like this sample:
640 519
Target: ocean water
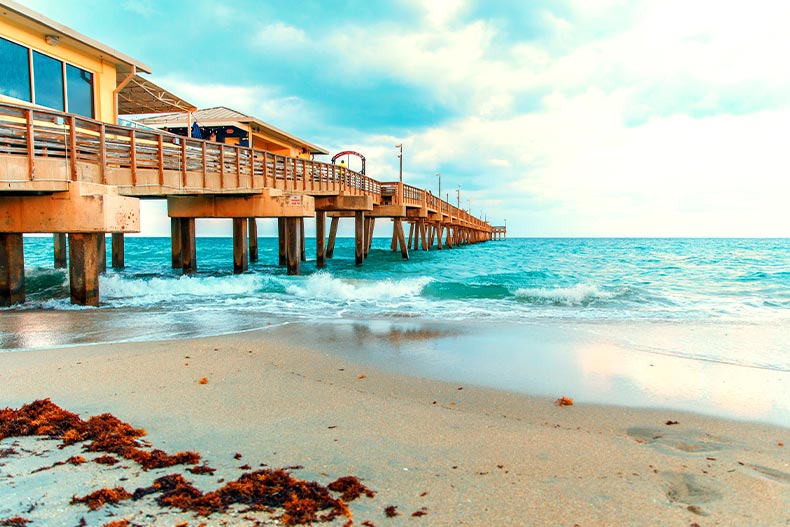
703 301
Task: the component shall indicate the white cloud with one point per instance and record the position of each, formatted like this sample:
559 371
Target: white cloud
281 36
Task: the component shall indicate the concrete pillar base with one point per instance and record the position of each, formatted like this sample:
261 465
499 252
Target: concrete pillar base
12 269
84 268
239 245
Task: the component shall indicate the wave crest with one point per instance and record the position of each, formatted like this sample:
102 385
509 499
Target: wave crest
325 286
577 295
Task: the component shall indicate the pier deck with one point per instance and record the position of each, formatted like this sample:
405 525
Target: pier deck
62 173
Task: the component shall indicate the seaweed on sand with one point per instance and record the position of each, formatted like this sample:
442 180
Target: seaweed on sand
96 500
105 433
351 488
261 490
16 521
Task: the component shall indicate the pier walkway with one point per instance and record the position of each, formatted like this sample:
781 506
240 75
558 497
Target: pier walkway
65 174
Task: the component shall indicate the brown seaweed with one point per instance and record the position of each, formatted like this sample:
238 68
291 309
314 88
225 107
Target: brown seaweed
260 490
200 470
106 460
391 511
564 401
263 490
103 433
96 500
16 521
422 512
350 488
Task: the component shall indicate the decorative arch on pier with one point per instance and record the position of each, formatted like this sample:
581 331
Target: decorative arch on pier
349 153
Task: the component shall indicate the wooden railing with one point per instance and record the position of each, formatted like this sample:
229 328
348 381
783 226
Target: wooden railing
58 147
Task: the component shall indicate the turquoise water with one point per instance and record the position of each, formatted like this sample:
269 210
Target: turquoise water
515 280
513 304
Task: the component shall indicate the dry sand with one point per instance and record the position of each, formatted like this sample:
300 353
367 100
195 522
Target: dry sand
467 455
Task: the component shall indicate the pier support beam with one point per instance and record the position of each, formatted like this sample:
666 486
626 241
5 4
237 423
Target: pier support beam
370 224
294 245
439 229
84 268
320 238
239 245
12 269
401 238
175 243
59 242
330 248
359 237
303 254
117 250
282 242
188 246
101 246
252 233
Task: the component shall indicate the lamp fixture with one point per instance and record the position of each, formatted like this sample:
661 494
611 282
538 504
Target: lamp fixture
52 40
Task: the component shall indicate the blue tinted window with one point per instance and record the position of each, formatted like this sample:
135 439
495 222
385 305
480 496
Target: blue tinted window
48 81
79 89
14 70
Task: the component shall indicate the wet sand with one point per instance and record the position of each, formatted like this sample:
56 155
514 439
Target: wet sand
466 455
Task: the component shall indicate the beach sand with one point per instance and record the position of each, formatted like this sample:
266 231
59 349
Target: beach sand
463 454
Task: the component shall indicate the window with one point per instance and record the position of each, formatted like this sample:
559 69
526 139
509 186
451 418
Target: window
55 85
14 71
48 81
79 89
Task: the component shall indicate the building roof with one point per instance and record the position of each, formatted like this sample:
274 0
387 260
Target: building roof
30 18
222 116
141 96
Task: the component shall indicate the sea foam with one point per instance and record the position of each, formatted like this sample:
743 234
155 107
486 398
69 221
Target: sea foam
579 294
325 286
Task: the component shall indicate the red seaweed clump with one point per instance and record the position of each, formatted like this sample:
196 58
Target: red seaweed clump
96 500
39 418
104 433
106 460
259 490
351 488
303 502
16 521
200 470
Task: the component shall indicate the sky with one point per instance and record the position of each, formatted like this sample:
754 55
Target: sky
602 118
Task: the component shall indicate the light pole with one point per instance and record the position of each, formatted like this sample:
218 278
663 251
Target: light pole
400 157
458 196
440 185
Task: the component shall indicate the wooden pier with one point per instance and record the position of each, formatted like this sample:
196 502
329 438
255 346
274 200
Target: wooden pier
69 175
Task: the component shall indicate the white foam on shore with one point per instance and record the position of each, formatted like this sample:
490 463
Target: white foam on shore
325 286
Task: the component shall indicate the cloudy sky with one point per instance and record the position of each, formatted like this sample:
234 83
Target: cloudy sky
563 117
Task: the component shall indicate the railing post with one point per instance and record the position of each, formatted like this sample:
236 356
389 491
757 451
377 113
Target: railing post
102 154
265 169
31 145
238 167
72 147
400 193
161 154
183 163
203 150
221 165
133 155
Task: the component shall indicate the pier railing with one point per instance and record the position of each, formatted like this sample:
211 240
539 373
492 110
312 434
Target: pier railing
42 150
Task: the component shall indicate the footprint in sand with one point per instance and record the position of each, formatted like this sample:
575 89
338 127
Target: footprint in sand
686 489
688 442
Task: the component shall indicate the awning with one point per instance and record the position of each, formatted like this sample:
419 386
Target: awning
141 96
